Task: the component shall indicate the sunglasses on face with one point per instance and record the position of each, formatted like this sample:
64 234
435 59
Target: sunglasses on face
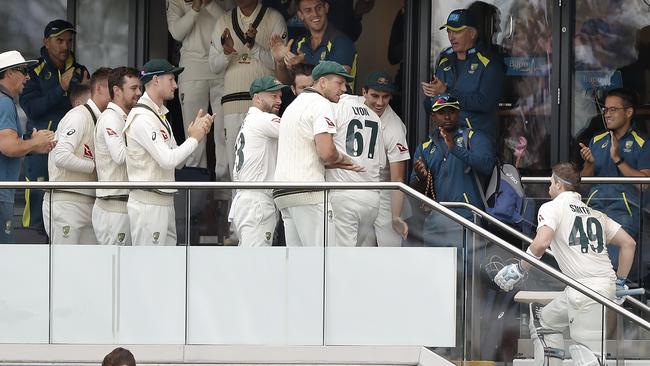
22 70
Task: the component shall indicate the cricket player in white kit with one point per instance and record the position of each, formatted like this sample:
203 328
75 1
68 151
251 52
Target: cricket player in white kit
253 212
152 155
192 23
110 217
73 160
306 148
390 229
578 237
358 134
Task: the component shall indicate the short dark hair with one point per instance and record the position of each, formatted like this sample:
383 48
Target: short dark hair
99 76
77 90
569 175
118 76
3 73
299 1
628 96
119 357
301 69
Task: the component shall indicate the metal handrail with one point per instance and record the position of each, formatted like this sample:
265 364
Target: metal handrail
345 185
640 305
529 258
593 180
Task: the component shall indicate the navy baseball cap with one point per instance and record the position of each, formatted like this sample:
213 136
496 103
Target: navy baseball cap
445 100
458 20
57 27
379 80
158 66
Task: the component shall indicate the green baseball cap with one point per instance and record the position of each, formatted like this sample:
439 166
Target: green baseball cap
325 68
265 84
379 80
158 66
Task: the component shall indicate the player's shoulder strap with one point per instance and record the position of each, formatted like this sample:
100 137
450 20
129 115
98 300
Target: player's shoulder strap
235 23
92 114
164 123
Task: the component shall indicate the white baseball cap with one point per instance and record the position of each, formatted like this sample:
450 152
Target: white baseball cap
11 59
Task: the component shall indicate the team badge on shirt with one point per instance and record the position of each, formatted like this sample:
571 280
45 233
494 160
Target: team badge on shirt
164 135
121 237
472 68
244 59
66 231
402 148
156 236
628 146
87 152
111 132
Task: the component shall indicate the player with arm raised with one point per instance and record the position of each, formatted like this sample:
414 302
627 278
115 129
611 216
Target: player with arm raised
577 236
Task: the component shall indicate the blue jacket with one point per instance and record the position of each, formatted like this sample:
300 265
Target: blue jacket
477 82
619 201
335 46
453 171
43 99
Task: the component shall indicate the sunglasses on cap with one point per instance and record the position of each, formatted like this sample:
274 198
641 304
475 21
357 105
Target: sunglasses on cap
443 101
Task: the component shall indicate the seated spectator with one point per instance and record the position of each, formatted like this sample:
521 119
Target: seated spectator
619 152
79 94
445 166
119 357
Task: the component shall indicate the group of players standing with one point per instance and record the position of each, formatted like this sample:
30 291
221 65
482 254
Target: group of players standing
323 135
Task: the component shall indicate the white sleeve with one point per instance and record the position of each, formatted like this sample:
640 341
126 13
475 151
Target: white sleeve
217 59
179 22
114 137
151 139
548 215
69 135
263 52
395 143
270 126
611 227
323 117
214 9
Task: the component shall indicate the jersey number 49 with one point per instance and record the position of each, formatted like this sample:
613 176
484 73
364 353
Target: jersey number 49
586 233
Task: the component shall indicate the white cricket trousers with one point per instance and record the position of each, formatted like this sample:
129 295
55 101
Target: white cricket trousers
199 94
583 316
111 222
254 217
384 235
354 213
304 225
151 223
71 218
232 124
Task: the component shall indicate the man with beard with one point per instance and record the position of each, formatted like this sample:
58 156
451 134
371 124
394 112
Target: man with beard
110 218
152 155
253 212
306 148
45 101
444 169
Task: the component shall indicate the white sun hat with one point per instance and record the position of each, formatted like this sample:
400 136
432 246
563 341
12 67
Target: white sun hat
11 59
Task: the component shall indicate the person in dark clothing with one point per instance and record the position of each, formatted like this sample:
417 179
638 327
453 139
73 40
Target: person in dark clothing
45 101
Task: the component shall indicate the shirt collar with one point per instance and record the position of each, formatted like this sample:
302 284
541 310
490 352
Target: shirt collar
117 109
94 107
146 99
6 92
247 20
569 194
